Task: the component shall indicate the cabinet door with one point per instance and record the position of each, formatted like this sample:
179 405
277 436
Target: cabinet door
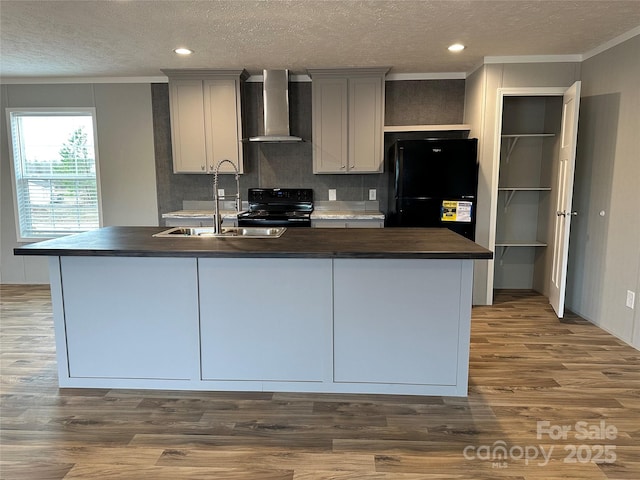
188 126
279 329
365 124
408 335
131 317
330 129
222 123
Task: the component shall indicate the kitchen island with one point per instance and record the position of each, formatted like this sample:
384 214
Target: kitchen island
316 310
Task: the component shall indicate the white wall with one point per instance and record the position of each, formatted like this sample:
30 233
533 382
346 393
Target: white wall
604 252
126 161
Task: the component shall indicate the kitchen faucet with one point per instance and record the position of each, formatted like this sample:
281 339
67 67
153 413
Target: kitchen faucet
217 221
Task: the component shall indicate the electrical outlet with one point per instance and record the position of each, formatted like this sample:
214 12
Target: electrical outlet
372 194
332 194
631 299
221 192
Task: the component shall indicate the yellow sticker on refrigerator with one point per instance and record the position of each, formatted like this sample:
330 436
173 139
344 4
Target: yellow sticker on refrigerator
455 211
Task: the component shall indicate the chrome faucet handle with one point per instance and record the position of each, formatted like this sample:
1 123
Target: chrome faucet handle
238 200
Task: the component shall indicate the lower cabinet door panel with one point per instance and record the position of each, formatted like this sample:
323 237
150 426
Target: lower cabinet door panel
265 319
396 321
131 317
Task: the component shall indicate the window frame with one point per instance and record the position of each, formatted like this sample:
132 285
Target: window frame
49 111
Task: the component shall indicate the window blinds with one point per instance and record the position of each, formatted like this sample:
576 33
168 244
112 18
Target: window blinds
55 176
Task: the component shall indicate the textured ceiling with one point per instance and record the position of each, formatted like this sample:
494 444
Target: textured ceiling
136 37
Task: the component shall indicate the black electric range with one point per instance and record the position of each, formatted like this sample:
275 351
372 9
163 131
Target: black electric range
278 207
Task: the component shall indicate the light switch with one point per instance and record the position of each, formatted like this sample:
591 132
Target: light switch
332 194
631 299
372 194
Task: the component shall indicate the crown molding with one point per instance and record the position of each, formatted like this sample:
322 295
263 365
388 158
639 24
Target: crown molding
252 79
292 78
60 80
612 43
426 76
533 59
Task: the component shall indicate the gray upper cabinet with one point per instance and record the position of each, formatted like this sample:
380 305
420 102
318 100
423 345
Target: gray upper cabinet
348 118
206 120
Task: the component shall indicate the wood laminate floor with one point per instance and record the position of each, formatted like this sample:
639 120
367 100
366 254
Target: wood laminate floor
538 387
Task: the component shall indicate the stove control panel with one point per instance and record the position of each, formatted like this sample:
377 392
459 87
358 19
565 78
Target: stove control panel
280 195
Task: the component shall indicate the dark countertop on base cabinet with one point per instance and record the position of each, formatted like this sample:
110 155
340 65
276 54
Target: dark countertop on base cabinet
436 243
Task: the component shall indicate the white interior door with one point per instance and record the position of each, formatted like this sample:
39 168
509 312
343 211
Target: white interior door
566 167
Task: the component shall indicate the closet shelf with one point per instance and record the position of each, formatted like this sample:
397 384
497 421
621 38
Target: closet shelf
511 191
512 139
519 243
524 189
506 245
518 135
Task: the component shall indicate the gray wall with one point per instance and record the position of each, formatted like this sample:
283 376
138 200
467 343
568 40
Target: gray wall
290 165
604 251
126 161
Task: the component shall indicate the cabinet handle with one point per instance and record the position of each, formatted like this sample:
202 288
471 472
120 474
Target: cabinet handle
343 167
202 167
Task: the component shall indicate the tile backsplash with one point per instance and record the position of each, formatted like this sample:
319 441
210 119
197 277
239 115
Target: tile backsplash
290 164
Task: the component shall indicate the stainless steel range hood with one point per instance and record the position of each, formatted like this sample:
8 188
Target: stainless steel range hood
276 108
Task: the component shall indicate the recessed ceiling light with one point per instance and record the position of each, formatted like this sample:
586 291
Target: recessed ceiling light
456 47
183 51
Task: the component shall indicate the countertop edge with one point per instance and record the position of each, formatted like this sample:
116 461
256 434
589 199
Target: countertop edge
218 254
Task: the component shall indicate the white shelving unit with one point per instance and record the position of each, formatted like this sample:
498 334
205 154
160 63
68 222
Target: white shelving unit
525 177
509 192
528 139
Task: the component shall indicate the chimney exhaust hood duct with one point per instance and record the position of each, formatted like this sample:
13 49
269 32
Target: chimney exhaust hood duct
276 108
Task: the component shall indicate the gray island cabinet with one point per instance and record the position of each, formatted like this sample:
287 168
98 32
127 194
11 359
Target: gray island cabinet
316 310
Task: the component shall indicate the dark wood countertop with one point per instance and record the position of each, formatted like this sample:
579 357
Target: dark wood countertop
295 243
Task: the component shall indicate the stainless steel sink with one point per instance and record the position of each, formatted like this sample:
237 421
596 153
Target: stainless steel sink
232 232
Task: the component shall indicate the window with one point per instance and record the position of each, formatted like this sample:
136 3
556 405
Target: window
54 171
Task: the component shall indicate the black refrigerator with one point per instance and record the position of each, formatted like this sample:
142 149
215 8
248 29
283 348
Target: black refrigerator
434 183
